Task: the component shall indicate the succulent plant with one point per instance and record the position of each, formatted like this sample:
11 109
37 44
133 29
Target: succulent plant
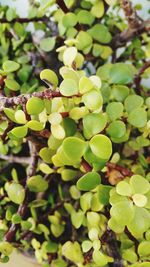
74 134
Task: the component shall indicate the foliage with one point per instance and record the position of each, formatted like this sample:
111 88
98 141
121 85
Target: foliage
74 133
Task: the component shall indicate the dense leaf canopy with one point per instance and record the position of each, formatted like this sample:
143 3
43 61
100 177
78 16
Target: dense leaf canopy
75 133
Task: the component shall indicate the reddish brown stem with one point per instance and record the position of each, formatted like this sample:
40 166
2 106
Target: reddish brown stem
62 5
138 77
87 167
124 171
23 20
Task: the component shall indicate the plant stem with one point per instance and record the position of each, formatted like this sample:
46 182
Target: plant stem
124 171
13 159
9 236
62 5
24 20
22 99
138 77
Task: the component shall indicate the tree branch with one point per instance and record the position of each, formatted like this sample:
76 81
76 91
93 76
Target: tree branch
62 5
136 26
131 15
138 77
24 20
13 159
9 236
124 171
22 99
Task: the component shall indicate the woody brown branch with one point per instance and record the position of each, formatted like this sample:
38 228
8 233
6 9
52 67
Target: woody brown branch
22 209
138 77
136 26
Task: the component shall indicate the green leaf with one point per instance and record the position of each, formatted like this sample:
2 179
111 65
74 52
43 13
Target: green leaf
120 92
92 100
114 110
46 154
20 132
100 33
93 123
34 106
124 189
69 56
10 113
68 87
37 184
16 192
85 17
84 40
69 20
121 73
35 125
20 117
74 148
139 184
72 252
99 258
133 102
139 200
6 248
86 245
140 222
47 44
116 129
144 248
89 181
10 66
12 84
123 212
103 193
98 9
85 85
138 117
77 218
49 77
101 146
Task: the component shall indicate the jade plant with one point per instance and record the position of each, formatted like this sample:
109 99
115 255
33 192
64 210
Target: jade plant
74 133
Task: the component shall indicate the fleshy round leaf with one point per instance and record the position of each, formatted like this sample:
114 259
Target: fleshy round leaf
69 20
34 106
84 40
12 84
139 184
93 123
69 55
37 184
35 125
10 66
16 193
138 117
20 117
49 77
89 181
20 131
47 44
74 148
121 73
68 87
93 100
101 146
133 102
124 189
85 85
123 212
85 17
139 200
114 110
116 129
100 33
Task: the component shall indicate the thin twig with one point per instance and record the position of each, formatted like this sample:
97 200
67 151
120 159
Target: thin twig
24 20
22 99
138 77
9 236
13 159
114 166
62 5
